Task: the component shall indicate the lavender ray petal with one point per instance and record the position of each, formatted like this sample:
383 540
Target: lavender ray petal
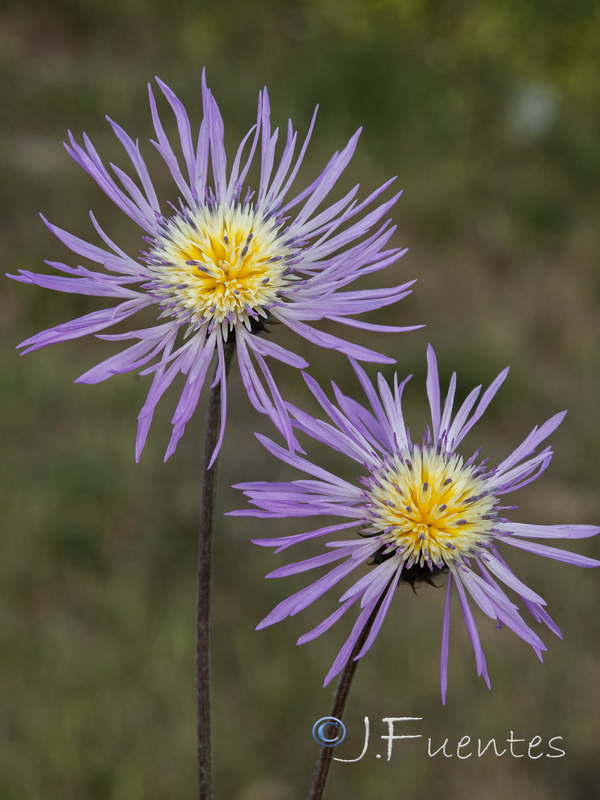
460 418
509 578
94 286
530 442
488 396
161 381
136 195
448 405
133 151
505 481
85 249
128 264
184 129
364 422
235 179
373 326
333 342
89 160
553 552
392 405
129 359
376 579
374 401
328 178
216 134
471 628
268 142
433 391
166 151
267 348
445 641
295 169
541 615
548 531
303 464
281 417
90 323
191 391
221 377
283 542
380 616
326 624
285 161
300 600
348 646
307 564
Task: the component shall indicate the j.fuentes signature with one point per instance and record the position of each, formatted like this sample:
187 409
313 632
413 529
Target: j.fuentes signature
330 732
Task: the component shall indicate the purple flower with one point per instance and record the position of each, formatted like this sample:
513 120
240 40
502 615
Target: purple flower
420 511
224 262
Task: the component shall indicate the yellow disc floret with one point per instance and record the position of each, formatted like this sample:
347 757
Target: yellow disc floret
429 507
220 265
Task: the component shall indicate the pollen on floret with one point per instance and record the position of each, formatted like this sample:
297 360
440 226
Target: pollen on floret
429 508
220 265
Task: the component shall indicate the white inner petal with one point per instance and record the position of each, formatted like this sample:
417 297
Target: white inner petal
430 508
224 265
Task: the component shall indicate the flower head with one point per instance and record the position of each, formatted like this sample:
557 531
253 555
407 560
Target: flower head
222 262
419 511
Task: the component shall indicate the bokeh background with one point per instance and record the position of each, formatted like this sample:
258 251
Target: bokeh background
489 113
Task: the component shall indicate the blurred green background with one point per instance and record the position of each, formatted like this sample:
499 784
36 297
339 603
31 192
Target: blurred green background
489 114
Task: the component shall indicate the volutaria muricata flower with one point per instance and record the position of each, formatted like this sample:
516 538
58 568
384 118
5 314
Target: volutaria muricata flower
420 511
222 261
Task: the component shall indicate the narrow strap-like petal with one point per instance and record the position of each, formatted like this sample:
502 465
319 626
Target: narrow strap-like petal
343 656
553 552
445 641
433 392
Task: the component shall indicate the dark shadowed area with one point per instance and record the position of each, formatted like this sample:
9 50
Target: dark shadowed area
489 115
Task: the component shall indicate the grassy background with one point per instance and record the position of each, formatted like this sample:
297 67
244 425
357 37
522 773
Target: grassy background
489 114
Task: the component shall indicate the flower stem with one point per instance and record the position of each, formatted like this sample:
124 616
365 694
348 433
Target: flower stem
207 509
337 709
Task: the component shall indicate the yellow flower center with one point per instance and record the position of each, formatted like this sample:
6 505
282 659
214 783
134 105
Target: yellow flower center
430 508
222 265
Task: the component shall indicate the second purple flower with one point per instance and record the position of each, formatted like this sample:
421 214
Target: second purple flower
420 510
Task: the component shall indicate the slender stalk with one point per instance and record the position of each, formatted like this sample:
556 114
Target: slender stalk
207 509
338 705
